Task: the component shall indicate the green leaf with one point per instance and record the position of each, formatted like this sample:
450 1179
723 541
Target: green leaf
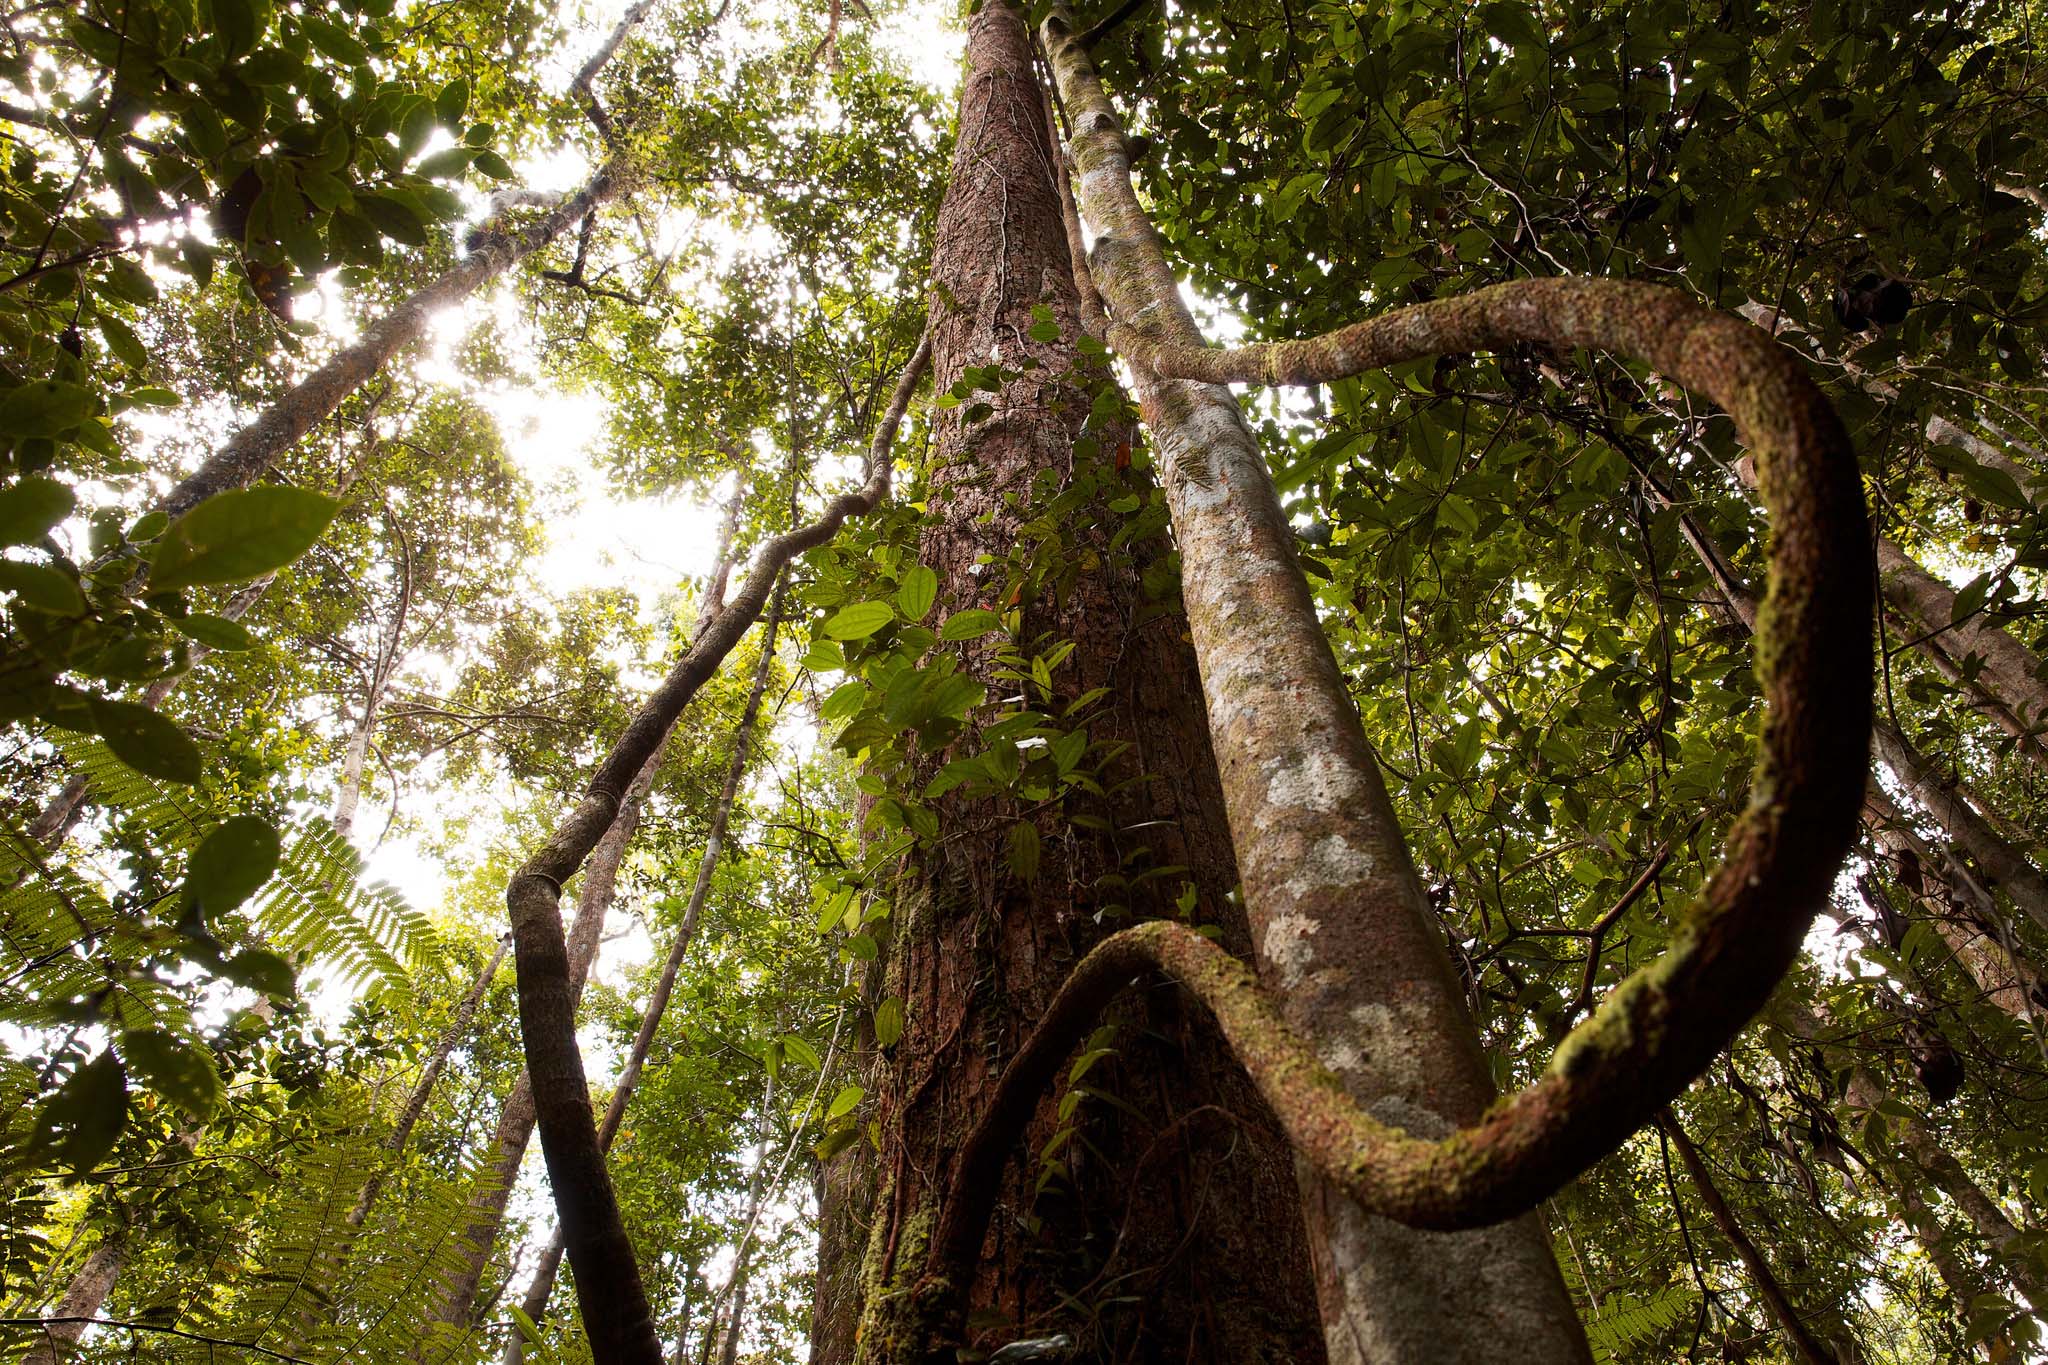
43 588
1046 332
48 407
215 632
917 592
239 23
145 741
844 1101
801 1052
1022 848
889 1021
447 163
966 625
181 1073
30 507
492 165
453 102
234 536
395 216
232 863
123 342
88 1112
859 620
261 970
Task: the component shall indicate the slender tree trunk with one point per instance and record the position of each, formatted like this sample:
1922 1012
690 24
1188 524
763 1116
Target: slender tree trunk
357 751
244 456
1922 1152
459 1028
1936 1241
1176 1214
535 1303
1804 1342
735 1294
1963 913
1345 934
516 1119
83 1298
2001 864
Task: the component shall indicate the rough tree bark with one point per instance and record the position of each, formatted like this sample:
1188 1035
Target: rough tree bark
1181 1199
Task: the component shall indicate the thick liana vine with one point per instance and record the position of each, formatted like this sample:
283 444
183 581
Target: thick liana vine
1656 1031
614 1303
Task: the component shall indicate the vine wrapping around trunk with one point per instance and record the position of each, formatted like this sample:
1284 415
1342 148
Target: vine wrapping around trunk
616 1317
1659 1027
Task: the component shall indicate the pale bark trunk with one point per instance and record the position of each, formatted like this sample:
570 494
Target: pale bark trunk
1995 858
382 667
2011 671
243 458
1965 916
1922 1150
1936 1242
1342 928
2002 865
83 1297
1808 1346
535 1303
736 1284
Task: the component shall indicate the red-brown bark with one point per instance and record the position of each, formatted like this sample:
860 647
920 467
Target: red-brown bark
1181 1207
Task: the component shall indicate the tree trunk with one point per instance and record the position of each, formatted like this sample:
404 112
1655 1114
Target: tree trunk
1345 934
83 1298
1999 862
430 1076
382 667
1922 1150
1765 1279
535 1303
1176 1216
1962 912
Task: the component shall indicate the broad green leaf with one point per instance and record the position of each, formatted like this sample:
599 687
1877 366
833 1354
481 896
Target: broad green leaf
180 1072
261 970
801 1052
1022 849
232 863
30 507
41 587
966 625
859 620
215 632
87 1113
844 1101
48 407
889 1021
239 535
917 592
453 102
146 741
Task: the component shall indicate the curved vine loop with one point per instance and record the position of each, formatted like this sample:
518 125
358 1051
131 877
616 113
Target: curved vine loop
1664 1024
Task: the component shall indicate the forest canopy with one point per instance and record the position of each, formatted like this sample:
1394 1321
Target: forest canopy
868 681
